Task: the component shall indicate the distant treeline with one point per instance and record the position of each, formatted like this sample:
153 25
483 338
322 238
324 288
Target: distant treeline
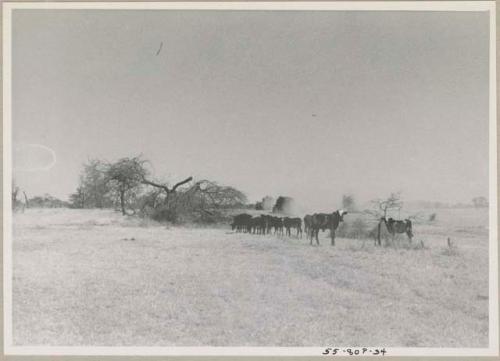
477 202
47 201
21 201
128 185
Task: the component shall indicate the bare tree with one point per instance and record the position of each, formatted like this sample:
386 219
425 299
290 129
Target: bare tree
207 198
202 200
382 207
165 188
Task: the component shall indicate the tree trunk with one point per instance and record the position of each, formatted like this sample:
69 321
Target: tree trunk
122 202
26 200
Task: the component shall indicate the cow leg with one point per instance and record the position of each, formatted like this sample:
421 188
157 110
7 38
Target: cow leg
408 233
332 235
317 240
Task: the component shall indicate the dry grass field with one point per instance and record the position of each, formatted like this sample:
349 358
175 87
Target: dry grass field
95 278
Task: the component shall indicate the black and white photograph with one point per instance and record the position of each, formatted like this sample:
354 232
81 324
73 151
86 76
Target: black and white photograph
250 178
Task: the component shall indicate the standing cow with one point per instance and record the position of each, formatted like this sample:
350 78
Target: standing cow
395 226
277 224
241 222
325 221
290 223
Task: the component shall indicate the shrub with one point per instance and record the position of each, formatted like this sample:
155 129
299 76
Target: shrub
358 229
165 214
285 205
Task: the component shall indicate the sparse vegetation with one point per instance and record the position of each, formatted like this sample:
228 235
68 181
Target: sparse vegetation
47 201
480 202
357 229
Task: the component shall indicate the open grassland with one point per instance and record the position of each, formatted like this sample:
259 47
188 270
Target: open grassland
95 278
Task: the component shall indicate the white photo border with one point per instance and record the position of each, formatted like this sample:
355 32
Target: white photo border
488 6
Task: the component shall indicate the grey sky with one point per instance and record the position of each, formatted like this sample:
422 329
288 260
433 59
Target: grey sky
307 104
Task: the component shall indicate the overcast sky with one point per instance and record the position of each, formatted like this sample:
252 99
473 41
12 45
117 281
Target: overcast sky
306 104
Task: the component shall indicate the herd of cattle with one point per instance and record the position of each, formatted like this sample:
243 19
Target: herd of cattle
267 224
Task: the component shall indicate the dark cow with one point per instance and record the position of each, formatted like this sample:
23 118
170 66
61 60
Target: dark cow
258 224
323 221
290 223
395 226
268 223
277 225
255 225
241 222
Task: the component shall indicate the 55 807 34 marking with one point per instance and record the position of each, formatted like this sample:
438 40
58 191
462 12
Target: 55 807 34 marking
336 351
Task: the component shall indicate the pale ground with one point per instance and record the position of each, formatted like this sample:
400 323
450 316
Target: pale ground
93 278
